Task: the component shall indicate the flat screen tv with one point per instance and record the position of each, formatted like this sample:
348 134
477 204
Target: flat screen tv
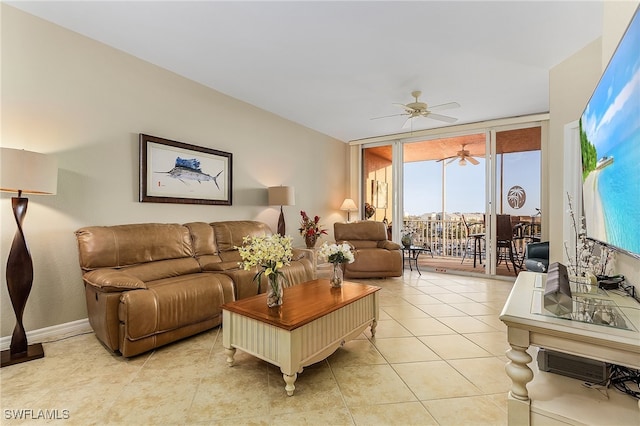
610 148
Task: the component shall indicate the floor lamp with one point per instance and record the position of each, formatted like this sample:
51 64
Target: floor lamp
29 173
281 196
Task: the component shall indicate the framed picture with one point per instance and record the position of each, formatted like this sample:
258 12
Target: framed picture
176 172
381 195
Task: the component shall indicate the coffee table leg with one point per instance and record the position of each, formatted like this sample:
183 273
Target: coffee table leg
230 352
374 323
290 380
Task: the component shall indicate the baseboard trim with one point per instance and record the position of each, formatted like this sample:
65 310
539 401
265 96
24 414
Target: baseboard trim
50 334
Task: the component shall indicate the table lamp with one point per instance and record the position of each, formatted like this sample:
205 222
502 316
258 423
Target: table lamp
350 206
281 196
29 173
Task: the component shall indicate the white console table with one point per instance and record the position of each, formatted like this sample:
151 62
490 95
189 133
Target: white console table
529 324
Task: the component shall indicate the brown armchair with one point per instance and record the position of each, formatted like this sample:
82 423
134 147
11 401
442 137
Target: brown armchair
375 255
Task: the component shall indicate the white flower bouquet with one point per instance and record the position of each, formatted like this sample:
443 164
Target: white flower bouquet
336 253
270 253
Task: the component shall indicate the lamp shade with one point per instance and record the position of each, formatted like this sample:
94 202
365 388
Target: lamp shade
281 196
349 205
27 171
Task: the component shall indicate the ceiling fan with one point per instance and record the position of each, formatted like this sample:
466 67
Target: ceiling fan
463 157
418 110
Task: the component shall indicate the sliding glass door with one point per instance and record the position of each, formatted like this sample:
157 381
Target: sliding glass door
447 193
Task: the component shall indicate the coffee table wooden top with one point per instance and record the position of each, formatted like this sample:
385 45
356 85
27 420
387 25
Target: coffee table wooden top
302 304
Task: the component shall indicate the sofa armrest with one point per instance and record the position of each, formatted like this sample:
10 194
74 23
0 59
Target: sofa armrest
302 253
112 280
388 245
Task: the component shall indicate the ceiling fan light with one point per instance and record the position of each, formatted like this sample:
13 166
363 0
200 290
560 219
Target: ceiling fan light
462 162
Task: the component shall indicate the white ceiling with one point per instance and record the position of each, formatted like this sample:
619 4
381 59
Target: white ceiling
332 66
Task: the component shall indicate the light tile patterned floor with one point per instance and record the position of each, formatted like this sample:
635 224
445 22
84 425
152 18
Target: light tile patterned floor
437 359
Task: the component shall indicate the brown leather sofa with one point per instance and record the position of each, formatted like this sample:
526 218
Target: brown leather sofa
150 284
375 256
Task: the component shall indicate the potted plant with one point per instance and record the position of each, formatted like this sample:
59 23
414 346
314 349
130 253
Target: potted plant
310 229
407 236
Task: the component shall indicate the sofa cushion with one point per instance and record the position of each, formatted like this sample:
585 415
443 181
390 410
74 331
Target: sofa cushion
230 234
204 243
376 260
124 245
365 230
171 303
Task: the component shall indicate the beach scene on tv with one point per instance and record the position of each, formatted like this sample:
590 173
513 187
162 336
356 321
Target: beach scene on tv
610 148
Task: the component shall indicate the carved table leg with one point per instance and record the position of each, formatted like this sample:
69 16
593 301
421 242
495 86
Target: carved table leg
289 380
519 372
374 324
230 352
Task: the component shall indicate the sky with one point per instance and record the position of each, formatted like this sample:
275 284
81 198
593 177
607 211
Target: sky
465 186
612 114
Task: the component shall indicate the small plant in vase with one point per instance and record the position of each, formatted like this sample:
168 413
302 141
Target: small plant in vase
269 253
338 254
407 235
310 229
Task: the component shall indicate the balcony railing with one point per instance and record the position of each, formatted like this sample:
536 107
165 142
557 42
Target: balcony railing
449 237
444 237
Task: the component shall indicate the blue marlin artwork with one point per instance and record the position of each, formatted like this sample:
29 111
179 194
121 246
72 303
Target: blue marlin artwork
189 169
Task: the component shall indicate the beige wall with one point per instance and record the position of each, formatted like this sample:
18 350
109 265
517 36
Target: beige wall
86 103
571 84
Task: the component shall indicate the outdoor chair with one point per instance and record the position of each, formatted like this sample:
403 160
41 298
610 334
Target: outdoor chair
504 241
473 244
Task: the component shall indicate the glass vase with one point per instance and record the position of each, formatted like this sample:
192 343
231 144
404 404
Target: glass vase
336 278
274 290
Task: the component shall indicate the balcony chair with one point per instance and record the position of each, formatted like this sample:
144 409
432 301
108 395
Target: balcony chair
504 241
476 239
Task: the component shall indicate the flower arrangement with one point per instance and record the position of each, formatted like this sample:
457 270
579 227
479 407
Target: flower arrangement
310 228
407 231
369 211
336 253
406 235
584 260
270 253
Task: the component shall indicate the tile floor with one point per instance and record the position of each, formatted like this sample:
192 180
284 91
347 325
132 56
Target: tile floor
437 359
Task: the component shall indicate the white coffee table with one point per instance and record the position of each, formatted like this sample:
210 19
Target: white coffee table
312 323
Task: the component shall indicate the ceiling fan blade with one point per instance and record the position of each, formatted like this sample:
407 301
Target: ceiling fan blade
387 116
452 160
453 157
441 107
473 161
440 117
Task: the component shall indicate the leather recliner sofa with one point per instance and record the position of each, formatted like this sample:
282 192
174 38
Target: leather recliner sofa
147 285
375 256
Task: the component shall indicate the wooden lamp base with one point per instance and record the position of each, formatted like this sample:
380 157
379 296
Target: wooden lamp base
34 351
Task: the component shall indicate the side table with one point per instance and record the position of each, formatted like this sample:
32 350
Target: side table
321 268
410 254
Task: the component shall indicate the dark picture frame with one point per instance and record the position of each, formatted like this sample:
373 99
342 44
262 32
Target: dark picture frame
177 172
